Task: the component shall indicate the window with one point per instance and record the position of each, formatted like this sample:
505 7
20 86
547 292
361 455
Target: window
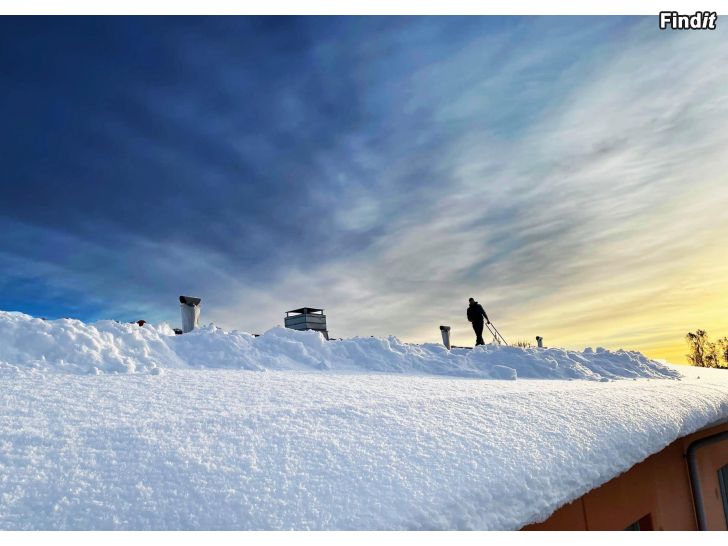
642 524
723 481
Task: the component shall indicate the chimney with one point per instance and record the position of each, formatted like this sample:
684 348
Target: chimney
307 318
190 313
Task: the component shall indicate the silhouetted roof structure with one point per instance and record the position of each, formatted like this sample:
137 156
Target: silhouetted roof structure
305 310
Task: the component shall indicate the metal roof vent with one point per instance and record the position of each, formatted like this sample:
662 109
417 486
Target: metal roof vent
307 318
190 313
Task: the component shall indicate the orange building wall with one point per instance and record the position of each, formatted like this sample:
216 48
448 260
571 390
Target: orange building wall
656 491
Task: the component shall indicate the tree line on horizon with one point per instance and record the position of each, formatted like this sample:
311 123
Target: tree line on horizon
705 353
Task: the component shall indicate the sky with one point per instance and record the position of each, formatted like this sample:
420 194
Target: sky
567 172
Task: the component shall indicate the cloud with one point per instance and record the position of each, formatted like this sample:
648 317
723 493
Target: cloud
582 227
568 172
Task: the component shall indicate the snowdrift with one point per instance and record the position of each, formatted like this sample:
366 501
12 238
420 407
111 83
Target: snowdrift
72 346
134 428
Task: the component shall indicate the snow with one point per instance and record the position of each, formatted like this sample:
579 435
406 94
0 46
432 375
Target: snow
110 347
113 426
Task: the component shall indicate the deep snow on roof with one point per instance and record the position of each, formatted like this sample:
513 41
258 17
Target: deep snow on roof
109 347
349 448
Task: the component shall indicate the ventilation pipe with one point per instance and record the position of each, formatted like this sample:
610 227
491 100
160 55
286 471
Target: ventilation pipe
190 313
539 341
445 331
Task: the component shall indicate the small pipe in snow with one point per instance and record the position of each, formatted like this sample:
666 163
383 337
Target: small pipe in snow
445 331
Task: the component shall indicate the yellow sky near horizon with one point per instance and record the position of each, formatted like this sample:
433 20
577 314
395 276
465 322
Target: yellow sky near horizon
652 316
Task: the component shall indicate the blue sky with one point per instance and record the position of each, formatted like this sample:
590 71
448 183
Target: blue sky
383 168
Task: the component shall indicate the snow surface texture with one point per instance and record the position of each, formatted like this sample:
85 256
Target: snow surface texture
178 447
230 449
109 347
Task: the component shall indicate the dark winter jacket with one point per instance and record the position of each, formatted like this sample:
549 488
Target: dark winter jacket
476 313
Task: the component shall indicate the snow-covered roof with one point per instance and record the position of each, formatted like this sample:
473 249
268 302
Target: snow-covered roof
116 426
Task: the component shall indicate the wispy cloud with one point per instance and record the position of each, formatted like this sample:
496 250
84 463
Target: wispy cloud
568 172
586 225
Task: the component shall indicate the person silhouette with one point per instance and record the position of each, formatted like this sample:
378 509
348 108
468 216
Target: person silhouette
476 314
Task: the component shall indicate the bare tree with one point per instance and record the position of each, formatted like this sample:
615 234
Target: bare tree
696 346
722 349
704 353
711 355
